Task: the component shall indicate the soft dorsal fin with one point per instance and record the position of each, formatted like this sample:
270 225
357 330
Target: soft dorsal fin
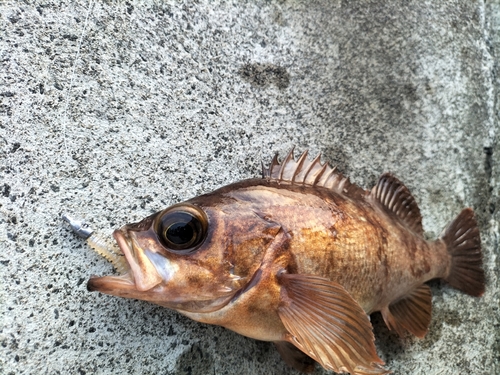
312 173
397 199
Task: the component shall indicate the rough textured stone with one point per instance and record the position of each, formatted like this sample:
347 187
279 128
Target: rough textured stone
112 111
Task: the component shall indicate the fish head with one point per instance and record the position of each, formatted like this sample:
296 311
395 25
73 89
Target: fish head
192 257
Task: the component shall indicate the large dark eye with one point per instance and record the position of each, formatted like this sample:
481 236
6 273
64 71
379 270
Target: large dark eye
182 228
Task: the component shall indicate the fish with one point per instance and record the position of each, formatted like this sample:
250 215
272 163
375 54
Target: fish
300 257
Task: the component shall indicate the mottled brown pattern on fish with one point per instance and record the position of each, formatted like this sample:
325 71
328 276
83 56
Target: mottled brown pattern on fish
362 238
300 256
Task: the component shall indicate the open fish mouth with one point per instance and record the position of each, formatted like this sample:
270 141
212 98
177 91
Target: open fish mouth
122 258
144 269
145 273
144 277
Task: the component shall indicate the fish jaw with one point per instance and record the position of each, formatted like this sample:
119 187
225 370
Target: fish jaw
144 268
122 285
147 269
153 277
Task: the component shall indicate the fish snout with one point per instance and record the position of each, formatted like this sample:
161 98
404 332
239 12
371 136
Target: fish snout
148 266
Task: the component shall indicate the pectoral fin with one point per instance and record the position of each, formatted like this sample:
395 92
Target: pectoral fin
327 324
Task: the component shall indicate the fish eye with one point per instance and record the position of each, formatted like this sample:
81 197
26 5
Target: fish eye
182 228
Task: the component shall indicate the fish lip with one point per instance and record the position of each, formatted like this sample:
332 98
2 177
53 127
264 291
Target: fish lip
126 281
108 284
125 245
143 271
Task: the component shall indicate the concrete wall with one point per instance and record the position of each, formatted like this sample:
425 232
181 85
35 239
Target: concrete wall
114 110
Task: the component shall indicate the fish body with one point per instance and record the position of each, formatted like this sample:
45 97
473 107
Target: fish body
299 257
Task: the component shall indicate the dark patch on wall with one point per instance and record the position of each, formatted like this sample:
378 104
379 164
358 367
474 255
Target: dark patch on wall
195 361
488 169
6 190
451 317
263 75
488 151
15 147
14 18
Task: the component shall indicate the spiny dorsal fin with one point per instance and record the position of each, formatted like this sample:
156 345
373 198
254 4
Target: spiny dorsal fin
312 173
397 199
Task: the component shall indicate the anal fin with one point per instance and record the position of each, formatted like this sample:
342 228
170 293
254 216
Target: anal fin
294 357
411 313
327 324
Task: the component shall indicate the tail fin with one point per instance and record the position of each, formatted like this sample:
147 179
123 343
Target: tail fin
464 245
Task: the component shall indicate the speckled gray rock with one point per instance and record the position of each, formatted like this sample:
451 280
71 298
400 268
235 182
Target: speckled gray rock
113 111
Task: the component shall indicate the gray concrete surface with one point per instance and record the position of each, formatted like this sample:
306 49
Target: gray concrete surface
113 110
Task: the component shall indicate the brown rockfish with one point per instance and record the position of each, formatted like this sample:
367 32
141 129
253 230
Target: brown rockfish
299 257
